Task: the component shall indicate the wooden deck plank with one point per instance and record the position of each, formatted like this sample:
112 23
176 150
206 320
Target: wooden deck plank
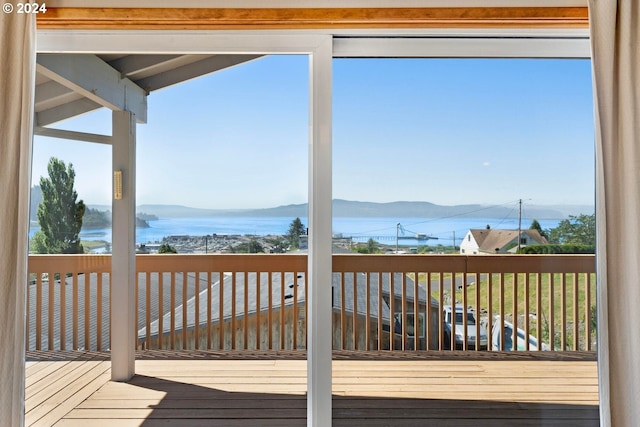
44 388
73 391
199 392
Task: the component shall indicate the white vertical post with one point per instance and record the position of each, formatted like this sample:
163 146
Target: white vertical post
123 260
319 259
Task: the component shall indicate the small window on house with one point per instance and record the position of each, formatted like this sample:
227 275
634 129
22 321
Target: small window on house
469 237
523 240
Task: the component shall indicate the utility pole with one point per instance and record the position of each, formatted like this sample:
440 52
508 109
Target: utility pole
397 232
519 225
454 240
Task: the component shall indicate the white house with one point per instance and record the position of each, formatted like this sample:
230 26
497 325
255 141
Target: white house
494 241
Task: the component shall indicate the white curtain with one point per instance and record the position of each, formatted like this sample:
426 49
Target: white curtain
615 42
17 79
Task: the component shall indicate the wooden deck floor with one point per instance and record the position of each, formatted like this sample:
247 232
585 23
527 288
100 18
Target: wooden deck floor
222 389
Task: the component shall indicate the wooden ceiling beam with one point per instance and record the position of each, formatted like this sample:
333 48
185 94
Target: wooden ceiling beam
312 18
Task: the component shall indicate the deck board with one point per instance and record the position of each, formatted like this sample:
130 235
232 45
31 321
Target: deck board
199 391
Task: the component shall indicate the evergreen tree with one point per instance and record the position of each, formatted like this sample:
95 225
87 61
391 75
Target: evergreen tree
166 248
296 229
535 225
59 213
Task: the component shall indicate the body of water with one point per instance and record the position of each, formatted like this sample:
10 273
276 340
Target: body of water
431 231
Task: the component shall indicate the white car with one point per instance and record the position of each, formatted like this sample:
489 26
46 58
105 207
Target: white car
508 338
459 335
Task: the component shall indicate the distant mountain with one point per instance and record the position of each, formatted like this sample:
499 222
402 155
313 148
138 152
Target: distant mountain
174 211
403 209
347 208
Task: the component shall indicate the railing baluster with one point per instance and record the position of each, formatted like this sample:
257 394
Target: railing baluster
343 314
563 311
196 310
403 312
258 310
490 310
478 311
160 308
185 294
233 310
428 324
172 331
367 328
465 305
39 311
87 311
270 310
210 310
51 310
380 303
354 316
452 290
441 342
551 321
63 311
282 311
587 311
539 314
502 319
245 326
74 311
526 312
392 315
295 312
221 316
99 314
576 317
147 308
514 338
416 314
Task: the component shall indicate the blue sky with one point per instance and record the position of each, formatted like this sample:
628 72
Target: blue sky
446 131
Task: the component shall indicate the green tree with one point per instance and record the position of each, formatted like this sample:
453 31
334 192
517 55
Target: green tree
577 230
60 213
166 248
296 229
370 248
250 247
535 225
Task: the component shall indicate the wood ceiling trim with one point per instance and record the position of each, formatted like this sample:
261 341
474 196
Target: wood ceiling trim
312 18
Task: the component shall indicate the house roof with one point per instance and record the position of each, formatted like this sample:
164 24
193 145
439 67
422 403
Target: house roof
493 240
276 301
185 291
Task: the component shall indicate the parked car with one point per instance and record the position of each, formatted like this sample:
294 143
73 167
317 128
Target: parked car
458 330
508 338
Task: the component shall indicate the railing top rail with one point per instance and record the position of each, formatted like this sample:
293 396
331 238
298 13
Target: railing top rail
341 263
465 263
65 263
222 262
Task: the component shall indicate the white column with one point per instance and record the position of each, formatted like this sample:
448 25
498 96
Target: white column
320 270
123 261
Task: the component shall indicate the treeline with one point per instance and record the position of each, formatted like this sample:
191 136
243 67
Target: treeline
93 218
557 249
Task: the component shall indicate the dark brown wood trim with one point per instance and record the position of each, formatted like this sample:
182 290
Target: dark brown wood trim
312 18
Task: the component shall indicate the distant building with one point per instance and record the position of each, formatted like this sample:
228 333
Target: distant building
490 241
